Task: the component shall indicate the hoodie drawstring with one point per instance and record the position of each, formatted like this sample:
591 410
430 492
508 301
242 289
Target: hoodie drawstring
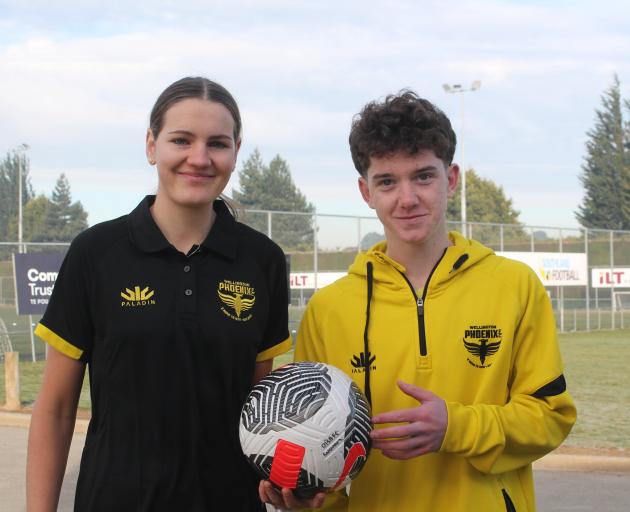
366 345
460 261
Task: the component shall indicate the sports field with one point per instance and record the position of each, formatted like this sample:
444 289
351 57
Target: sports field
595 369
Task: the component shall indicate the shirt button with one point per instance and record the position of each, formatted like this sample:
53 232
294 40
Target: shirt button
187 268
188 291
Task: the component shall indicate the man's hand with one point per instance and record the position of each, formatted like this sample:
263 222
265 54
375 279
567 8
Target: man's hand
285 499
422 430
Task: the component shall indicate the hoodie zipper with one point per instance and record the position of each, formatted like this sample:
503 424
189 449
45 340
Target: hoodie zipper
420 305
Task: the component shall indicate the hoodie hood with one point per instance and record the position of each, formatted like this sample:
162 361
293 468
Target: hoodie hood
464 253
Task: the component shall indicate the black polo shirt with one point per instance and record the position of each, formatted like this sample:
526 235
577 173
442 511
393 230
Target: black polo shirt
171 341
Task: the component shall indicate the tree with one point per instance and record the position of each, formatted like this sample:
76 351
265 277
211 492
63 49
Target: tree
485 202
9 185
52 220
606 170
68 218
271 187
37 222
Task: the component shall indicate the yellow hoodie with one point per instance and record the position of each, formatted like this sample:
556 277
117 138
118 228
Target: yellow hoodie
482 336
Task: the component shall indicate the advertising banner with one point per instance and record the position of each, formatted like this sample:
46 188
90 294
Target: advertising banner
35 275
306 280
618 277
555 268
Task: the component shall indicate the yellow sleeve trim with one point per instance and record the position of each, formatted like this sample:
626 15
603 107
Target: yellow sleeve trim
58 342
276 350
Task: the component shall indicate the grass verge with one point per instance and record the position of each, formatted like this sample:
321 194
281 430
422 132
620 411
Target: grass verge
595 369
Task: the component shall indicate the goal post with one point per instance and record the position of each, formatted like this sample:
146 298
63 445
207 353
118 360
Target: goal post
621 301
5 341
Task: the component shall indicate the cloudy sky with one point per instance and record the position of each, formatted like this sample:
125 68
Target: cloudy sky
78 80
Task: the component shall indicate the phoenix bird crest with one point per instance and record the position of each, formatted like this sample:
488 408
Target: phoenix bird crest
483 349
237 302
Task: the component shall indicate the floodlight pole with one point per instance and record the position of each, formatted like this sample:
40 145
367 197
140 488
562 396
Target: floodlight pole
454 89
21 150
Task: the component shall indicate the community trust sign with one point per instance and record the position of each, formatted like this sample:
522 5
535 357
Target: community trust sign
35 275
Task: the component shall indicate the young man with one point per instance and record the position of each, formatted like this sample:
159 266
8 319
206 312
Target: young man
454 346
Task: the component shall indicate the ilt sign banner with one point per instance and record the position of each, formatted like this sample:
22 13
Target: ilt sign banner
618 277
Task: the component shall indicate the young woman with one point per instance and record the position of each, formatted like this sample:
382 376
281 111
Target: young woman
175 309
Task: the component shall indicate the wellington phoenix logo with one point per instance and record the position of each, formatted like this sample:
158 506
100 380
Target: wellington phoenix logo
137 297
482 342
239 297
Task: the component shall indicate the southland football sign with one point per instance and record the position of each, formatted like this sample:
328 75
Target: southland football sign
555 268
35 275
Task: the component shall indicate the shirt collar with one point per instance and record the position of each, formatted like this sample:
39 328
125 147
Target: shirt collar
146 235
222 238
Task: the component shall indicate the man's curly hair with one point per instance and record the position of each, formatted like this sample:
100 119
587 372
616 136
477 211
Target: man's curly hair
403 122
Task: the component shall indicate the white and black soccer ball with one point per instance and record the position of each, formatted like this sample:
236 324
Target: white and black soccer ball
306 426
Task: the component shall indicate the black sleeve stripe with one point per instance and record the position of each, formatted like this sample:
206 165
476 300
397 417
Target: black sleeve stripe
555 387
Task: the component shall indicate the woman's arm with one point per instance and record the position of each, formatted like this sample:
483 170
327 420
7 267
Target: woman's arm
262 369
50 434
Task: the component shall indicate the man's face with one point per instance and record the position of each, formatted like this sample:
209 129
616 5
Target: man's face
409 194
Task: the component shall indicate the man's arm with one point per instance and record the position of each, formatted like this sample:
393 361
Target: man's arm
539 412
536 418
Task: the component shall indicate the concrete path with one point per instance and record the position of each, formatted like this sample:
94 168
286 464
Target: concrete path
564 483
13 442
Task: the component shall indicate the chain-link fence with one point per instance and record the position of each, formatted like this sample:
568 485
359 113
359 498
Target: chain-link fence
322 247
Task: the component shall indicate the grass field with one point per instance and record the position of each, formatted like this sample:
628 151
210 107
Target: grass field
595 369
18 328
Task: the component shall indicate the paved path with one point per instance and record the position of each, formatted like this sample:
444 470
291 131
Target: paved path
564 483
13 441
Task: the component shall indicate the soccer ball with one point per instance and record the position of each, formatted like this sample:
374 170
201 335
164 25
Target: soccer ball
306 426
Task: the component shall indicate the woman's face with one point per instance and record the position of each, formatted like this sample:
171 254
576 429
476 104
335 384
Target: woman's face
195 152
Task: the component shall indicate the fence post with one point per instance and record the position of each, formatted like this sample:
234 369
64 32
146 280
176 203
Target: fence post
588 280
561 288
12 381
315 249
612 281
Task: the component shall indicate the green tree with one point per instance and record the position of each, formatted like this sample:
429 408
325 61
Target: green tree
485 202
606 170
52 220
9 185
68 218
37 221
271 187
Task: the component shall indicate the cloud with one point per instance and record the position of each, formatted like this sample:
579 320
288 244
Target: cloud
79 80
